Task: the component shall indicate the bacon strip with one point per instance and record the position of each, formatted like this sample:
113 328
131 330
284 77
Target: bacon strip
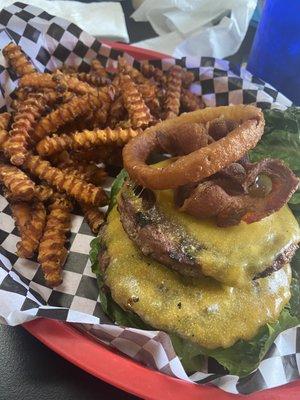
211 199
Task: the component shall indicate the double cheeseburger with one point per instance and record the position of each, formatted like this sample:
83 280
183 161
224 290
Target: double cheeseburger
199 245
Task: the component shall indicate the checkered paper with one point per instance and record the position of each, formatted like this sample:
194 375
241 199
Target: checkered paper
50 42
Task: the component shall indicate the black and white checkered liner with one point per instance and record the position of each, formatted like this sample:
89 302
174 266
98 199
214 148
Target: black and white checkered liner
49 42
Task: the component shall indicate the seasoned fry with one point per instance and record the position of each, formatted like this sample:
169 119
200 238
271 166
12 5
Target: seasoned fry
22 129
88 139
24 93
173 89
59 81
79 121
54 144
97 68
69 111
74 187
190 101
40 81
139 113
78 86
85 140
117 112
149 71
32 230
149 93
17 59
88 172
92 78
187 78
93 216
43 192
4 122
52 251
17 182
127 69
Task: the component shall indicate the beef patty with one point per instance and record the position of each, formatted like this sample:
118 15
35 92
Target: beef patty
167 242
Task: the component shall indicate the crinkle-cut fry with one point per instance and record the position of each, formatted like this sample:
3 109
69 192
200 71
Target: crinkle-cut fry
43 192
77 86
98 68
54 144
69 111
85 140
150 71
32 231
173 90
88 172
17 182
3 138
43 80
58 81
17 59
24 93
88 139
92 78
93 216
22 129
117 112
4 122
139 113
21 211
190 101
149 94
125 68
52 252
79 189
188 78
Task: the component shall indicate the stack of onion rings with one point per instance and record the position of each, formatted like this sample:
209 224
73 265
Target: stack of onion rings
201 163
201 158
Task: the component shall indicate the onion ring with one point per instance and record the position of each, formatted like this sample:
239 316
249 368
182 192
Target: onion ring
201 163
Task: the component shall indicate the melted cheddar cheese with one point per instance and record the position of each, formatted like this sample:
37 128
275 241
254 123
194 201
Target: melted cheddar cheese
201 310
234 255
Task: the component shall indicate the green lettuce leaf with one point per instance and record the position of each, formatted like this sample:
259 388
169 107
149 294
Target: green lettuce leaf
281 140
118 183
244 356
241 358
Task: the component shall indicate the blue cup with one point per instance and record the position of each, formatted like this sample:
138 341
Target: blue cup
275 55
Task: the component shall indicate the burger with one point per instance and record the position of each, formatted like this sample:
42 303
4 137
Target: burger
200 244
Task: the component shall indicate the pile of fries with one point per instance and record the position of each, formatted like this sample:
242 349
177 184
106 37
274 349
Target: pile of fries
64 129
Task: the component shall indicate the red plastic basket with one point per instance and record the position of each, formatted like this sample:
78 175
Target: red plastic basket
118 370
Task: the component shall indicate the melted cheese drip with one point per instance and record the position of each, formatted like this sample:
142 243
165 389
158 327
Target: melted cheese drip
234 255
203 311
